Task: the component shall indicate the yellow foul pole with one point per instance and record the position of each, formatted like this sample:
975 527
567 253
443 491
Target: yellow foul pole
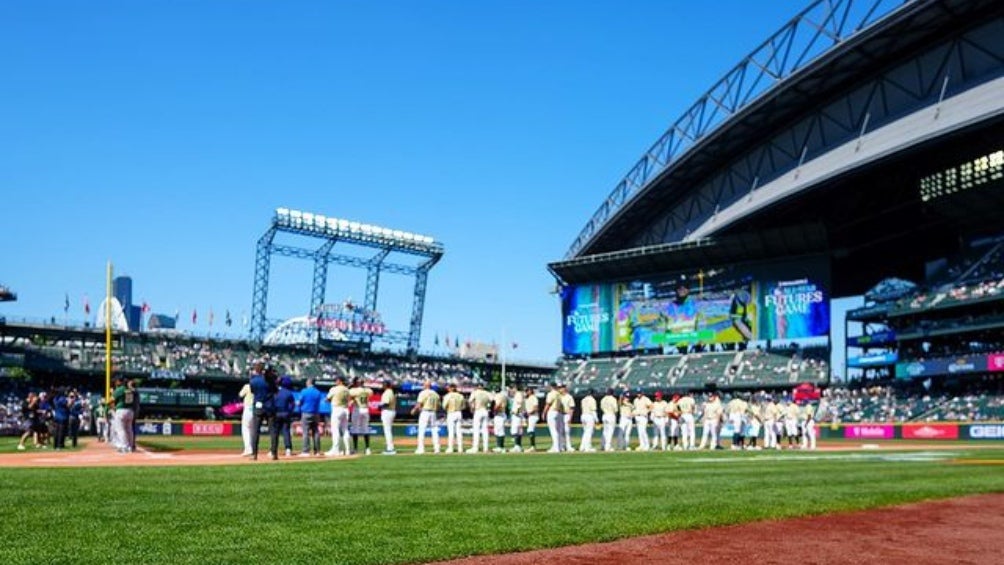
108 334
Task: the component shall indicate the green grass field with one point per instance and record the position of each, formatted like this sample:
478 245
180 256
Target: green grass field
406 509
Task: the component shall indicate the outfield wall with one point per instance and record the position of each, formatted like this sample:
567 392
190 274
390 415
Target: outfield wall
854 432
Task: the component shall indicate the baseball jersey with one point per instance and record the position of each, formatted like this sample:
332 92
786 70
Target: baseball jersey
712 411
608 405
388 399
567 403
479 400
626 410
642 405
339 396
501 402
531 405
552 399
792 411
360 395
809 412
516 403
589 406
659 409
428 399
685 405
736 406
453 402
755 411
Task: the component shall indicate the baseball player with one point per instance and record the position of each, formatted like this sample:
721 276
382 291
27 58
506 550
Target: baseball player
551 415
588 420
479 401
791 415
809 426
770 412
531 406
673 419
517 414
338 396
626 418
360 396
388 410
426 406
754 416
642 407
500 402
685 405
453 403
568 404
608 408
736 410
710 420
659 418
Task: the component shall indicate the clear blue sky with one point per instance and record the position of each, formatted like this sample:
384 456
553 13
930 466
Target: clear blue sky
162 135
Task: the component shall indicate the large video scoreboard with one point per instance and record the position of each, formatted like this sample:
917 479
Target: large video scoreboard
717 305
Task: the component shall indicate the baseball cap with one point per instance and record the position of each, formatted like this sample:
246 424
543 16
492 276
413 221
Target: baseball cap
658 394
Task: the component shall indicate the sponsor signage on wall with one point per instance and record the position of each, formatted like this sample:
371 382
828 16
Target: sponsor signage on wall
865 431
208 428
873 360
995 363
985 431
930 431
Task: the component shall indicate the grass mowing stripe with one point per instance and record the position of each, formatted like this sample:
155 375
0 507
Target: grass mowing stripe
387 509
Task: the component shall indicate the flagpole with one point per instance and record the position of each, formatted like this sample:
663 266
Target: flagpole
108 334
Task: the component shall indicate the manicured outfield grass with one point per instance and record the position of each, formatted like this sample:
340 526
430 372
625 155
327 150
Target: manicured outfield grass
406 508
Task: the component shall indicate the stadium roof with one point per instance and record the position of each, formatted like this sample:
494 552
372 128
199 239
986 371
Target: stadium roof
708 252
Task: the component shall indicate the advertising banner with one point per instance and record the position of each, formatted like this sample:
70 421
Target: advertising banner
148 428
869 431
208 428
873 360
943 366
984 431
995 363
878 338
930 431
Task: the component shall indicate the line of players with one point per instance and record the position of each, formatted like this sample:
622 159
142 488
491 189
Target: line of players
673 420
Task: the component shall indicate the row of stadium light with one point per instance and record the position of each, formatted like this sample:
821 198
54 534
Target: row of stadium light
345 228
982 170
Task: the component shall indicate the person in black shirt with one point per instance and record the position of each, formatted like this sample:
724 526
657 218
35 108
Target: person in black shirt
285 404
263 390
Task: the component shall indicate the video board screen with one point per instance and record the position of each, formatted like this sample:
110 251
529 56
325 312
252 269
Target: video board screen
714 306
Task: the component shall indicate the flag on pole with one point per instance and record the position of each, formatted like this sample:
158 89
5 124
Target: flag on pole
244 319
436 341
210 316
515 345
229 321
456 343
146 307
87 305
195 316
66 303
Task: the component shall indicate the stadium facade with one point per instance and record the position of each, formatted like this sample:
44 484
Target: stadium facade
860 142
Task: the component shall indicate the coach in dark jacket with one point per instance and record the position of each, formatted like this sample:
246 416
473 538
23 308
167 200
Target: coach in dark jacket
263 389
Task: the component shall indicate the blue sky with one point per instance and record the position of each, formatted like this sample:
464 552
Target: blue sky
162 135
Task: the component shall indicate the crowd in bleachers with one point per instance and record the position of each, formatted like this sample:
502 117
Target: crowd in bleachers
732 369
889 404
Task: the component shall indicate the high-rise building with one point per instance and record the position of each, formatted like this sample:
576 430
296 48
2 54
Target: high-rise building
122 290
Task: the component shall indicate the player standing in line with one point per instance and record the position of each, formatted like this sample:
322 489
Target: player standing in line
688 433
608 407
517 413
426 406
791 415
479 401
626 418
588 420
736 409
388 410
659 416
711 419
754 415
338 396
769 411
568 404
247 417
531 406
642 407
453 402
673 419
360 396
552 399
500 402
809 426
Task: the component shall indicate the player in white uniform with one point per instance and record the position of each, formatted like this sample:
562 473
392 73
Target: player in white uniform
808 426
453 403
500 403
642 408
531 406
568 404
426 406
588 420
625 421
687 432
388 410
552 411
608 408
479 402
754 417
338 396
711 419
517 414
659 418
769 411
